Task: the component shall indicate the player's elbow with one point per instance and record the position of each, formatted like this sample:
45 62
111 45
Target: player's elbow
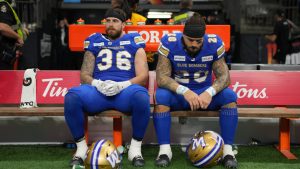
145 79
160 80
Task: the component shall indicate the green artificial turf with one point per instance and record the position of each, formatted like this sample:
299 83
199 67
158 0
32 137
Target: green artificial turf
57 157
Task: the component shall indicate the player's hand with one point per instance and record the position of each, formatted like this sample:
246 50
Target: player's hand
99 84
111 88
205 99
193 99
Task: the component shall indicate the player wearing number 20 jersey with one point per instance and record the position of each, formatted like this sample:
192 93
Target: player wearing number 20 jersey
193 72
186 62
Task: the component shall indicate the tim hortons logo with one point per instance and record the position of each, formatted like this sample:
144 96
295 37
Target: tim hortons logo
243 92
153 36
52 89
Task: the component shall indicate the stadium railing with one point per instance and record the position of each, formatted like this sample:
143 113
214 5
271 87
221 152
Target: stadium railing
261 94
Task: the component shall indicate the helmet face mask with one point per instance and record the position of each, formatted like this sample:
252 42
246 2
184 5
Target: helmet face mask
205 149
102 154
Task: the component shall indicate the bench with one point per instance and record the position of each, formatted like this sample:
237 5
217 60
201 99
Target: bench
262 94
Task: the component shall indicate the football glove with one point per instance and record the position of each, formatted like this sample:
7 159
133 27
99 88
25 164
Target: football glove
99 84
112 88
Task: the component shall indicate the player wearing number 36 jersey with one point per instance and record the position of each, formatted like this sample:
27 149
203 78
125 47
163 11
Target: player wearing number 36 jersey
184 77
113 73
114 59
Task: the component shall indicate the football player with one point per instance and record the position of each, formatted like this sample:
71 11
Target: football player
184 77
113 73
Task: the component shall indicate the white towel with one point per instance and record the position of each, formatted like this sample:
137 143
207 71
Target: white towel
28 98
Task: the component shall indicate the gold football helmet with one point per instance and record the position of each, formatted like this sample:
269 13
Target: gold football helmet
205 149
102 155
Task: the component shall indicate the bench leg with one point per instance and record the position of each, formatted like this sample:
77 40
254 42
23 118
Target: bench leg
117 131
284 139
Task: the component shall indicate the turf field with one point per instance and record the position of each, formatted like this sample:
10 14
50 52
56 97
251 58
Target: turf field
57 157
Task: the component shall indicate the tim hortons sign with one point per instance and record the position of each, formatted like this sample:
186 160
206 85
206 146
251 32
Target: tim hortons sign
251 87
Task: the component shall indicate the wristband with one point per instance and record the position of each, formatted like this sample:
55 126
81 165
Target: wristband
211 91
181 89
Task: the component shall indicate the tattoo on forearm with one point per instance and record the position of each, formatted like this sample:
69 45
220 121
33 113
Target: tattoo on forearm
87 68
163 74
221 72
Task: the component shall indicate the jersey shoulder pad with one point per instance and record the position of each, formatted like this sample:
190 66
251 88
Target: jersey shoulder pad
167 43
217 44
93 39
137 39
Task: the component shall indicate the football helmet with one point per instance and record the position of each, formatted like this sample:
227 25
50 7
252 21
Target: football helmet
205 149
103 154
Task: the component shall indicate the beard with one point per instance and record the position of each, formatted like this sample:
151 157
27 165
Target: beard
191 50
113 33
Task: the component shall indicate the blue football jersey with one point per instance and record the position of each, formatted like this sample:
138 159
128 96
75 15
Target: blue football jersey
193 72
114 59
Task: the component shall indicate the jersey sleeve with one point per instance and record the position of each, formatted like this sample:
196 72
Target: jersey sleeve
163 47
220 48
89 43
138 40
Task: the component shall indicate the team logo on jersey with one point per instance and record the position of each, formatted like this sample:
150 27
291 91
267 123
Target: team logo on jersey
125 42
109 43
3 9
179 58
86 44
207 58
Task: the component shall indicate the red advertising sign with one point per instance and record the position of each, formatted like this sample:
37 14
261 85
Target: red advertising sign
150 33
252 87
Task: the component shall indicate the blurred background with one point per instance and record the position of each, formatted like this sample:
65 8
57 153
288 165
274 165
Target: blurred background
250 21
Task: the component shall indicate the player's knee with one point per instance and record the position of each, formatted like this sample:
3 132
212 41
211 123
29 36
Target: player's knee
141 98
230 96
162 96
72 100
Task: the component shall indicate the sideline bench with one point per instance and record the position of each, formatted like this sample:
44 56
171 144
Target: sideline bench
262 94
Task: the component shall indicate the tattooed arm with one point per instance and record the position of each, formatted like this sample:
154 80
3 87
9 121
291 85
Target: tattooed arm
141 68
163 74
87 68
221 72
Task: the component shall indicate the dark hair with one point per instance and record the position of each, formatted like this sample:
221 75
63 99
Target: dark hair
195 26
123 4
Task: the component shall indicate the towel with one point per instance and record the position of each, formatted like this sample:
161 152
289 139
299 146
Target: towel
28 98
